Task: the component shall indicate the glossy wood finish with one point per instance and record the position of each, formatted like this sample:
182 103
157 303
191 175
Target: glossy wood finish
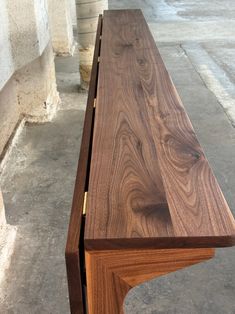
150 183
74 246
111 274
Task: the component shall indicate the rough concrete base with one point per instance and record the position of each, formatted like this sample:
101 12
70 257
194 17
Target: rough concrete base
36 88
85 65
85 72
62 51
30 94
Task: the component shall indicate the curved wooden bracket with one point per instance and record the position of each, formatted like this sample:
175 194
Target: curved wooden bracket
111 274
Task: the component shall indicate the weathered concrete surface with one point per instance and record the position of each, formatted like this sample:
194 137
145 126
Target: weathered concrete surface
29 94
40 174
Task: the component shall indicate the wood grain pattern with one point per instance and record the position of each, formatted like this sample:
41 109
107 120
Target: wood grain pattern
72 254
125 32
111 274
150 183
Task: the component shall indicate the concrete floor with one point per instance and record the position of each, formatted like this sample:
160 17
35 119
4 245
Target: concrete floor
197 42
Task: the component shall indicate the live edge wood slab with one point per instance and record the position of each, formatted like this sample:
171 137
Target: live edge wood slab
153 204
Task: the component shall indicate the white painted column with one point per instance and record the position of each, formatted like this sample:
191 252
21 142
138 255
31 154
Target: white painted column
60 18
87 19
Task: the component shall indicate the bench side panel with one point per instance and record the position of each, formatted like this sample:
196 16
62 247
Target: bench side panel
73 254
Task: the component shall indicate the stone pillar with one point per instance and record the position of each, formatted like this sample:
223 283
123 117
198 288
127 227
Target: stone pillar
60 18
87 19
27 81
36 88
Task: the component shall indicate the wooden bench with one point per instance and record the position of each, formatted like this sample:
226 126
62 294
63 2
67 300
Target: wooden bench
145 194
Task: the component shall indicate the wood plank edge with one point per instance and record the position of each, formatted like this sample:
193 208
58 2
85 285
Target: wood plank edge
160 243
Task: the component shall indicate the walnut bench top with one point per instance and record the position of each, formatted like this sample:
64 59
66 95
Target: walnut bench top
150 184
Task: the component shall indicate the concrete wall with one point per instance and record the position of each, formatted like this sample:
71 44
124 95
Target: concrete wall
27 81
61 25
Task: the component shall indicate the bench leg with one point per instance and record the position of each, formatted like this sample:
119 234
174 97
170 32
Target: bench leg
111 274
75 284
